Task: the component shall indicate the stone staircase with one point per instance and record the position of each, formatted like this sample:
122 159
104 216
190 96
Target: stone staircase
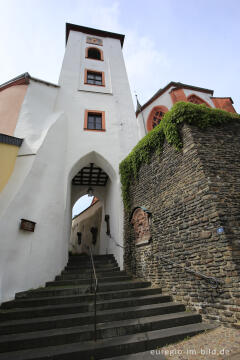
56 322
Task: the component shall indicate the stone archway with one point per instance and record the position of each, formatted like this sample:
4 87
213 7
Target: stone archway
94 171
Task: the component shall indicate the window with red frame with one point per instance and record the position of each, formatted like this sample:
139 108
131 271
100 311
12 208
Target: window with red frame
94 53
157 117
196 100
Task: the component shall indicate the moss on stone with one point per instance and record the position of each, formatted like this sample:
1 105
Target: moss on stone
181 112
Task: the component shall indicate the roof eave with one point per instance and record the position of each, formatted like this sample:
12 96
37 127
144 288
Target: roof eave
18 80
92 31
24 79
223 97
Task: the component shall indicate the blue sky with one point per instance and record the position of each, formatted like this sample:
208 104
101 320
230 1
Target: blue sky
194 42
83 203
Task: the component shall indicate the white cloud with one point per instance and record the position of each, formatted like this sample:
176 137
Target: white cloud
33 40
100 14
145 64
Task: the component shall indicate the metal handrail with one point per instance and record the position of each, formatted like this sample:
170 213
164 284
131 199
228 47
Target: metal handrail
116 243
212 280
93 272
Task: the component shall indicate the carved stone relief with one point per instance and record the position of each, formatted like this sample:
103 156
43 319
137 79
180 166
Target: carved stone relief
95 41
140 222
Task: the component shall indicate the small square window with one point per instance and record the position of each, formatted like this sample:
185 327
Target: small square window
94 120
94 78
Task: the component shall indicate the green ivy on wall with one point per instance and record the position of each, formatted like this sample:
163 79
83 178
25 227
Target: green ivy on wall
181 112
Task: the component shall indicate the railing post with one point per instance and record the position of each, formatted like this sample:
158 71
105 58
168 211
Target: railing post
91 287
93 273
95 315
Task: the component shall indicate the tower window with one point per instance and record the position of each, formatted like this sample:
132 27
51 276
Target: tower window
94 53
94 120
94 78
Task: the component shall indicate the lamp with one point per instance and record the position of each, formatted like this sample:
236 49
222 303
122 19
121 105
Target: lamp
27 225
90 191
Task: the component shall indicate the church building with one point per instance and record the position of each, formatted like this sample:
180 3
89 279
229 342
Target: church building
59 141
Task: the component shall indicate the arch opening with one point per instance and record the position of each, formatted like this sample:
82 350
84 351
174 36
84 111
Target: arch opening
195 99
94 53
94 171
86 225
89 226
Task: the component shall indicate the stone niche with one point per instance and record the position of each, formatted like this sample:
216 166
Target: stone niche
140 219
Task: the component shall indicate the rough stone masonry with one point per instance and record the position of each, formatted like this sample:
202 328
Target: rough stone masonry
191 194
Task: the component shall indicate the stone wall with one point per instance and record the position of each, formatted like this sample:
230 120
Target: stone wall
191 194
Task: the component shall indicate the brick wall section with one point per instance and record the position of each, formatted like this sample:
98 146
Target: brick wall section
190 194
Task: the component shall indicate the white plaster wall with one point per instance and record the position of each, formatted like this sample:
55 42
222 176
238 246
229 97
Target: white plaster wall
55 148
121 127
114 243
120 115
28 260
22 167
36 116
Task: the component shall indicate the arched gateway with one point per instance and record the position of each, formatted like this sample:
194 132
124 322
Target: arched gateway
74 134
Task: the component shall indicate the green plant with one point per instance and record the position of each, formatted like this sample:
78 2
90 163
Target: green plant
168 129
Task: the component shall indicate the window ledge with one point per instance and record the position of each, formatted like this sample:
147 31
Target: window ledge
101 130
85 83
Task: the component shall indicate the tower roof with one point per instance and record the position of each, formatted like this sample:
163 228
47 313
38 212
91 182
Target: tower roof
92 31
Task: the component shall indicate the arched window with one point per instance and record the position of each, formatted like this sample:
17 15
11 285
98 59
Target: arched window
94 53
156 116
196 100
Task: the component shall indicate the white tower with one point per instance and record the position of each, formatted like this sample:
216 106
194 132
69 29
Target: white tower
75 135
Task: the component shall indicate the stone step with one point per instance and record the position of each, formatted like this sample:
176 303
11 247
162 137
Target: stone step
88 271
83 265
85 333
78 290
106 274
88 266
107 348
52 310
95 257
87 281
88 261
63 321
56 322
154 354
57 300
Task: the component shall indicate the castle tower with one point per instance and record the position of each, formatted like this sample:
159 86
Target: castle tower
74 134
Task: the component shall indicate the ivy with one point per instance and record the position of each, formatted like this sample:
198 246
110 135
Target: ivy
181 112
